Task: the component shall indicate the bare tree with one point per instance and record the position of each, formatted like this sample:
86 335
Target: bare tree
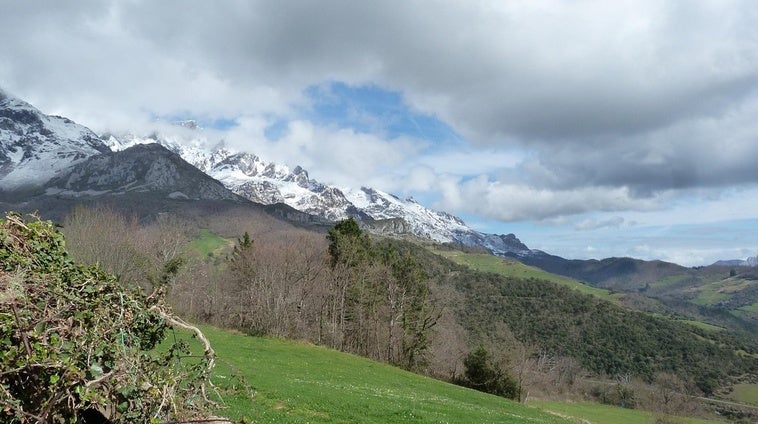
103 236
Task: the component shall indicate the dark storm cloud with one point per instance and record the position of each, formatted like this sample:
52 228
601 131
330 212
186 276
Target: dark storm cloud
606 93
612 102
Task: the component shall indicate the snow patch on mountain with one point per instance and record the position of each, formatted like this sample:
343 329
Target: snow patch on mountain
268 183
35 147
65 158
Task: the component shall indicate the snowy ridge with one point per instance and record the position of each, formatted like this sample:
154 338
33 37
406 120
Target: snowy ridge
38 150
35 147
423 222
267 183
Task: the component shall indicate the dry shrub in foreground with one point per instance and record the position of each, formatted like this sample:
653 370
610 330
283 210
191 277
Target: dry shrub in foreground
72 339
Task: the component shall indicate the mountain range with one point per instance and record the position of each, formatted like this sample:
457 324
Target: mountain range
54 157
51 164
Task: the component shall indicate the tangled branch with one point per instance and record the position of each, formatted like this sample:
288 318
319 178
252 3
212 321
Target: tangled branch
74 339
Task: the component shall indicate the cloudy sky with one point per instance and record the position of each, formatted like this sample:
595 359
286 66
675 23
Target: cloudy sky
587 128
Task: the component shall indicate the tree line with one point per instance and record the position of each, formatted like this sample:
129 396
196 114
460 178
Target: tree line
362 297
341 290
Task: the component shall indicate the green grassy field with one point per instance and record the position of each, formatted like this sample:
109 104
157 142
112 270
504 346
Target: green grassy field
747 393
668 281
489 263
594 413
298 383
294 382
747 312
718 291
702 325
209 244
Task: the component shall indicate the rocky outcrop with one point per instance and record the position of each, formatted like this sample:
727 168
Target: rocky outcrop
140 168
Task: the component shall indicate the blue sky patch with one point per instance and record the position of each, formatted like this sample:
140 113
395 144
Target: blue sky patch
371 109
276 130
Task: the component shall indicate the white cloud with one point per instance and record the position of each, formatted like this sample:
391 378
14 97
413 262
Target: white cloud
566 108
511 202
332 155
594 224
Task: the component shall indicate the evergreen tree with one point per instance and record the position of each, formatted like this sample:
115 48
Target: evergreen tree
486 376
348 244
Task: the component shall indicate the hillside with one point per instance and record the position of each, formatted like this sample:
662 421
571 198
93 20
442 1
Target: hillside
724 296
560 318
510 305
296 383
512 268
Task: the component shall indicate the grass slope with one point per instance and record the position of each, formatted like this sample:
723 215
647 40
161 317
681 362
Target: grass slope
511 268
298 383
747 393
594 413
208 243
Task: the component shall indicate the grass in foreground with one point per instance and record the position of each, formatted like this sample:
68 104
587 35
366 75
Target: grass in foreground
595 413
297 383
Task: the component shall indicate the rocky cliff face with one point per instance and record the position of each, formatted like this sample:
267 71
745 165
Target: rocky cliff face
140 168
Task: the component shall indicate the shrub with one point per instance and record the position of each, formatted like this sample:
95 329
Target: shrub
486 376
72 339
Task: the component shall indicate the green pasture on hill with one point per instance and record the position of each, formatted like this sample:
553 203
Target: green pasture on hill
669 281
747 312
718 291
595 413
209 244
511 268
295 382
702 325
746 393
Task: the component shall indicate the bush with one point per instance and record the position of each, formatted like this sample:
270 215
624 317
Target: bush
72 339
484 375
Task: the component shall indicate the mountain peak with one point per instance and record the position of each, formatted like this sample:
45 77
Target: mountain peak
147 167
35 147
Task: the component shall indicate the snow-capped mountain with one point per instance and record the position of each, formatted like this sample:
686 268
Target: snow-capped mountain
248 175
35 147
145 168
65 159
267 183
421 221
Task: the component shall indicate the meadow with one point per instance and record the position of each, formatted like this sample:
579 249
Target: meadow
294 382
271 380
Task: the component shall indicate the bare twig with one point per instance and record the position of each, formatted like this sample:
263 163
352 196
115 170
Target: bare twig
21 332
